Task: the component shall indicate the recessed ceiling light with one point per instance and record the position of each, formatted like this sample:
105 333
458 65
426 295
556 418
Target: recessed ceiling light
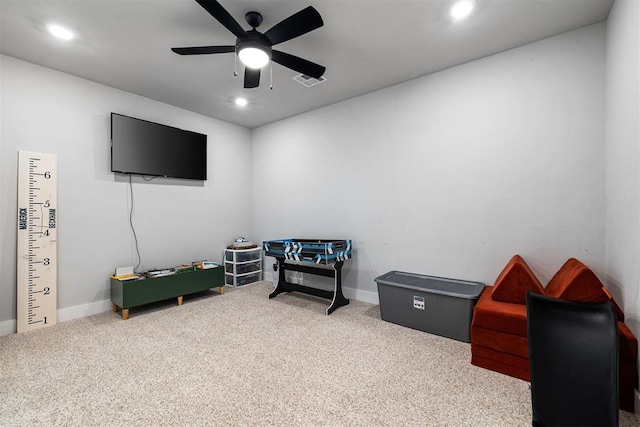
241 102
462 9
61 32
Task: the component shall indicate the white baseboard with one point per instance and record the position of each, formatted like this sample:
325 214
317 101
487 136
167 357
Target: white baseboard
357 294
8 327
360 295
83 310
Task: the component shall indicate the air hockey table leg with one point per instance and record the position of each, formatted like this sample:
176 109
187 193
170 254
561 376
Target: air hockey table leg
280 287
339 299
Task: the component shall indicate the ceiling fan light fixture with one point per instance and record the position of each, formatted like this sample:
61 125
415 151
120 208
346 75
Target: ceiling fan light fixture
253 57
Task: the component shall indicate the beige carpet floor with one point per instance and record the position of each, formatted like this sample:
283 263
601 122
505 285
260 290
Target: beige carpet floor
240 359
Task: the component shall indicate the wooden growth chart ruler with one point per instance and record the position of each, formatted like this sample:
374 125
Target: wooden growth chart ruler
37 240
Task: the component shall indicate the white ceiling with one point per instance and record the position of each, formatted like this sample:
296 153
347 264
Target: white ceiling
365 44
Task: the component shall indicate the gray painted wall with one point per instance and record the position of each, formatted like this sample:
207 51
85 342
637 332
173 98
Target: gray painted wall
176 221
623 162
450 174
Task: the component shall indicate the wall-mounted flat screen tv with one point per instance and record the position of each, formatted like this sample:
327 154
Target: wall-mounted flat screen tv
147 148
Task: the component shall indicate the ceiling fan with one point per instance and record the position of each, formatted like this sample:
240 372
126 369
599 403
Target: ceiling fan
255 48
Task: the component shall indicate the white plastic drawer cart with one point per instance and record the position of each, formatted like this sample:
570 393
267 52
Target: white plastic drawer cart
242 266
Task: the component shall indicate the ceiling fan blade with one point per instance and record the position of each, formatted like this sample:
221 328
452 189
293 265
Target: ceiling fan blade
203 50
251 77
220 13
298 64
300 23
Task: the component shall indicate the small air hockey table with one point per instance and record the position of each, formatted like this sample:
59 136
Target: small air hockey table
312 256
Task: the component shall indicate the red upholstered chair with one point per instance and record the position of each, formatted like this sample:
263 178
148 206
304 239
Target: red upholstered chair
499 325
576 282
514 281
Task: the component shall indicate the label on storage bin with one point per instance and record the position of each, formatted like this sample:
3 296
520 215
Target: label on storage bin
418 302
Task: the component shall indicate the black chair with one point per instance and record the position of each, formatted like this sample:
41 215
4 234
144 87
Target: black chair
573 356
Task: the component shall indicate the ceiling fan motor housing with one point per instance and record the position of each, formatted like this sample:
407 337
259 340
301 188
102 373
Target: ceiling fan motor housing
254 19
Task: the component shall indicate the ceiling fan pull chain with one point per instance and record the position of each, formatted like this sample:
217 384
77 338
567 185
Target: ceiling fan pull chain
235 65
271 74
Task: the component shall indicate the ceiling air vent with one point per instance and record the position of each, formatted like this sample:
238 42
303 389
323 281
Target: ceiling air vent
308 81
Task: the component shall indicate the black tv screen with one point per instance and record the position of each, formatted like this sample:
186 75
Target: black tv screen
147 148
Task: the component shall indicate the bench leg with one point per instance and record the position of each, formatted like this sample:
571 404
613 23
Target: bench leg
221 290
180 300
125 311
